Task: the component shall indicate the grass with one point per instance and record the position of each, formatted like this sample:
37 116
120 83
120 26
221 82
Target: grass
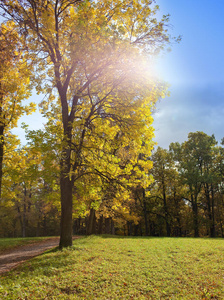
122 268
10 243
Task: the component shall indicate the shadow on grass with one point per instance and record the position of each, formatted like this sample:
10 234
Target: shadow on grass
130 237
156 237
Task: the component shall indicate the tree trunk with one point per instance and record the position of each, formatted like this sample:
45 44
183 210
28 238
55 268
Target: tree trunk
66 185
145 214
213 234
136 229
206 187
24 221
177 214
221 228
129 224
168 231
152 229
179 226
77 226
1 155
91 229
24 217
112 227
107 225
219 216
195 218
100 225
210 207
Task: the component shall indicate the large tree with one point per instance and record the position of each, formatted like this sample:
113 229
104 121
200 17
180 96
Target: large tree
95 55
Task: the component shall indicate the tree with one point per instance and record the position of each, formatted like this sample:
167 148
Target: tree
7 211
161 173
30 195
220 191
94 53
167 191
14 83
195 160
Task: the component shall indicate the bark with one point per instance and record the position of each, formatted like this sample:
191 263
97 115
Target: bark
66 185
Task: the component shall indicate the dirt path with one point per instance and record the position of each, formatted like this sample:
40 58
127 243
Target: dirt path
15 257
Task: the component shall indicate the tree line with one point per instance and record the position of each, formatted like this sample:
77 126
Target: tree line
187 195
184 198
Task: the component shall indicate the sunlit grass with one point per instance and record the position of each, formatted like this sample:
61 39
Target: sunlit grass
122 268
10 243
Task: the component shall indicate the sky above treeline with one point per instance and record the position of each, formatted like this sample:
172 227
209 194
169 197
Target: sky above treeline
194 69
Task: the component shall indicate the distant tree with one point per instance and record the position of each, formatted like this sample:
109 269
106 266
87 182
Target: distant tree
195 158
17 188
215 192
30 192
166 191
162 167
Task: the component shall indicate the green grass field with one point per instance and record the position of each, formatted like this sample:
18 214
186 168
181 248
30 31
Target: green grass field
122 268
10 243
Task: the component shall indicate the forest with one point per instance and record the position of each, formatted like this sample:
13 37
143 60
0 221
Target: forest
94 167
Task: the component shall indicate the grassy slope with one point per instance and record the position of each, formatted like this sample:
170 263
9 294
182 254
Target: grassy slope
10 243
122 268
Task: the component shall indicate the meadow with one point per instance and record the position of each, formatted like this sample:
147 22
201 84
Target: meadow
111 267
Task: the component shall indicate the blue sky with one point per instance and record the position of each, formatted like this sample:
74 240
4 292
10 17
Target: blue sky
194 69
